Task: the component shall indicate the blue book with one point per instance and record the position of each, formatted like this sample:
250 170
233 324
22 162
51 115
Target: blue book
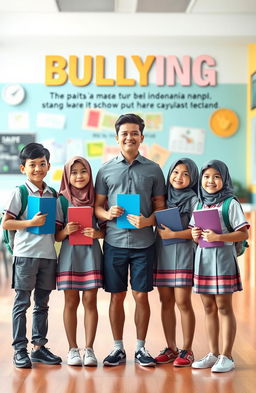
170 218
131 205
43 205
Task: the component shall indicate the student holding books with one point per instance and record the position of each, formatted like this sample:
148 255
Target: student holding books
129 248
175 259
80 262
216 270
34 265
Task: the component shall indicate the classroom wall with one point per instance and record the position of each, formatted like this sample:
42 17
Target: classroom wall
66 130
251 121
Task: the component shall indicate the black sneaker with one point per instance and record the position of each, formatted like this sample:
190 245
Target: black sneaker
43 355
116 357
21 358
143 358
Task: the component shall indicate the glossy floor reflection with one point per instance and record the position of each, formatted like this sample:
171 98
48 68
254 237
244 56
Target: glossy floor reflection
129 378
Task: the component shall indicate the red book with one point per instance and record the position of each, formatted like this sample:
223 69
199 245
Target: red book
82 215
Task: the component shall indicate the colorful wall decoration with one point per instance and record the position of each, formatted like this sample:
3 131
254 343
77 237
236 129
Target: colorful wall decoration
73 120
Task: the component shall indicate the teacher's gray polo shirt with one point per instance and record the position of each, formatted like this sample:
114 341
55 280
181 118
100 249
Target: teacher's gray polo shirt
28 244
142 177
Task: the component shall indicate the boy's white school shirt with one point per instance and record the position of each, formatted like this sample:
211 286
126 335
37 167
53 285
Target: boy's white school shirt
28 244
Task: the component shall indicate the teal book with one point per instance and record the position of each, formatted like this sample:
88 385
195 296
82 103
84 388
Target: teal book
131 205
43 205
171 219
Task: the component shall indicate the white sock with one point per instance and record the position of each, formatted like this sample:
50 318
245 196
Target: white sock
139 344
118 344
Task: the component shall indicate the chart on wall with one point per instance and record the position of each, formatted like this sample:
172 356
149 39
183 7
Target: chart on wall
10 146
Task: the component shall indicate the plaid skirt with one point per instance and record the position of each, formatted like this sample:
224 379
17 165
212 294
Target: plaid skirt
80 266
174 264
216 271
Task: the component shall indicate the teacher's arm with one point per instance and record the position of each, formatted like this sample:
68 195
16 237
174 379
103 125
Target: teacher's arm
106 214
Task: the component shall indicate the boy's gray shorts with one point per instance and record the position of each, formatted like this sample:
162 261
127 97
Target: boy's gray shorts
30 273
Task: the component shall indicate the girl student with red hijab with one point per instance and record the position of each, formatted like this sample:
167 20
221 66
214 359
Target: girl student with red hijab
79 266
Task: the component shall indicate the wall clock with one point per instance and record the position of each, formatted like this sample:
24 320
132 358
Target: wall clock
13 94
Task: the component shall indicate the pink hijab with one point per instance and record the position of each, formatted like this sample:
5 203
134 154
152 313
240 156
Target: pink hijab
78 197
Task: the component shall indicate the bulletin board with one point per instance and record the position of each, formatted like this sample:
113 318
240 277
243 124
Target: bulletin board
71 120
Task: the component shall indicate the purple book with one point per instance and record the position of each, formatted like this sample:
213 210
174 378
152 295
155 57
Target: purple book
208 219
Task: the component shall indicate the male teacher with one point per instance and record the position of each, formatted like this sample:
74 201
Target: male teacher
124 249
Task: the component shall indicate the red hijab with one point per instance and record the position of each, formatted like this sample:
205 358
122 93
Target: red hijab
78 197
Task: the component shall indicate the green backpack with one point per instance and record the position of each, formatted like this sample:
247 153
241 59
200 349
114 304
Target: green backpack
64 206
8 235
243 244
239 246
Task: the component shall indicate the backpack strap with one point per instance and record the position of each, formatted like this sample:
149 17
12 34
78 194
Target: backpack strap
199 206
225 209
24 199
53 191
64 206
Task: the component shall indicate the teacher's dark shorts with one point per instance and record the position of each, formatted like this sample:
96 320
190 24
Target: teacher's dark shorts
116 268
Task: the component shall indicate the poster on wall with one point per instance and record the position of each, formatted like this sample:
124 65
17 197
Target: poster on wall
253 150
10 146
253 91
187 140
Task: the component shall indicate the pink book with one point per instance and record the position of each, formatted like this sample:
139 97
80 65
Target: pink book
82 215
208 219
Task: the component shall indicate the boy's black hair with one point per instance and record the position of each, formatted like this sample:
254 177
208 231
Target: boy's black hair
32 151
129 118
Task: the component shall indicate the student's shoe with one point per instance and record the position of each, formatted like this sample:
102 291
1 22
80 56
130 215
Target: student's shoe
116 357
166 356
223 365
21 358
206 362
143 358
185 359
89 358
43 355
74 358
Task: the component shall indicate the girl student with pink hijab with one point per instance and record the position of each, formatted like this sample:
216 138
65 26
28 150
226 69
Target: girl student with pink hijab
79 266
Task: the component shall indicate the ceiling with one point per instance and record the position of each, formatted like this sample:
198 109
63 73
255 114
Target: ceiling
131 6
158 6
122 5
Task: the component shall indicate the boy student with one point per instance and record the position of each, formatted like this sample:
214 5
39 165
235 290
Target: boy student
34 261
129 173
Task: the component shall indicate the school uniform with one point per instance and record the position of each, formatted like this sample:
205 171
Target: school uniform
34 267
216 268
175 262
79 266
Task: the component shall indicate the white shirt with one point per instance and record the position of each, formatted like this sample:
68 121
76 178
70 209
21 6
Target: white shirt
28 244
